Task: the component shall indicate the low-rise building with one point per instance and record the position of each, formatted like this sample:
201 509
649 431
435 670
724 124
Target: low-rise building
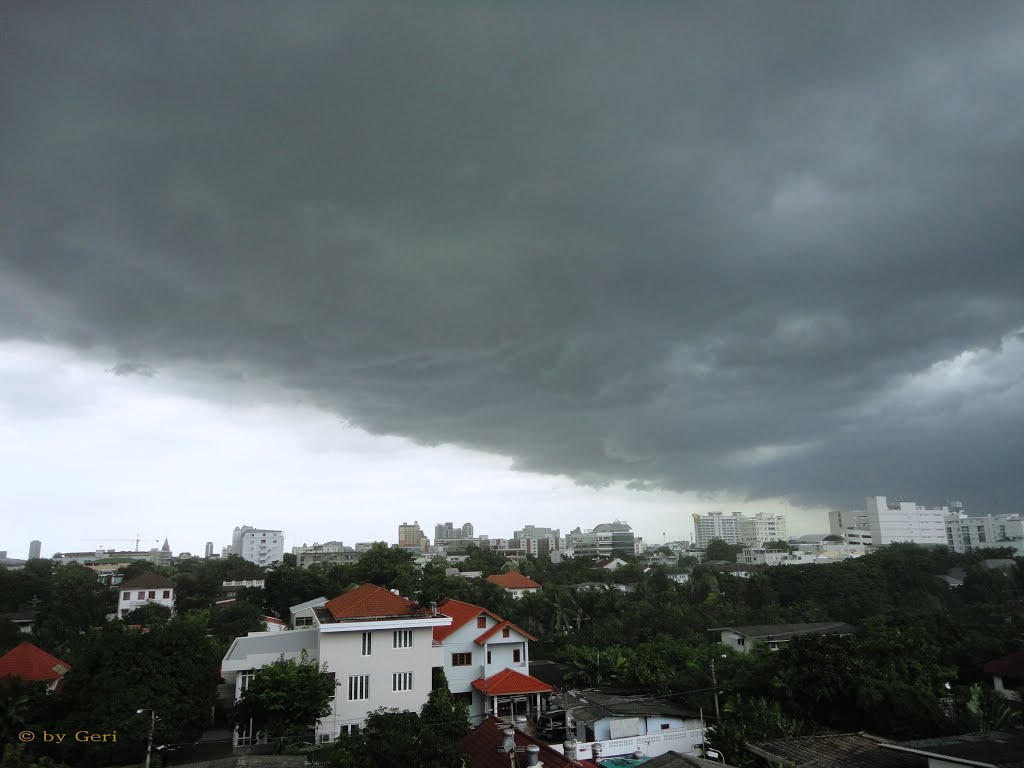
301 615
143 590
328 553
32 664
515 582
480 650
775 635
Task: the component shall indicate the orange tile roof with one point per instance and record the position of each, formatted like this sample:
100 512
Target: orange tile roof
513 580
461 614
368 601
509 681
31 663
501 625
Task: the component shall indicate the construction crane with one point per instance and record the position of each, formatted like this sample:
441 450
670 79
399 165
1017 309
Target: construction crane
137 539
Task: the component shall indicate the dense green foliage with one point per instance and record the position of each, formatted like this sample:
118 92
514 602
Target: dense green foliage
286 698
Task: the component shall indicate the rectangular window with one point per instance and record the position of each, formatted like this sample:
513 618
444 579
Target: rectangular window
481 622
506 632
126 596
462 659
124 612
665 726
246 679
367 643
488 657
515 656
403 638
303 621
142 596
358 687
167 594
401 681
152 594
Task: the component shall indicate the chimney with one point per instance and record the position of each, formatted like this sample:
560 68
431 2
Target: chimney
433 608
532 754
521 723
508 741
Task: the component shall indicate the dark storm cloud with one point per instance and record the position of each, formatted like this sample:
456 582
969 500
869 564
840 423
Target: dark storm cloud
682 246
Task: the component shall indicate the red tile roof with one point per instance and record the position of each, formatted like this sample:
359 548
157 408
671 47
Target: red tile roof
31 663
461 614
147 581
501 625
509 681
368 601
513 580
482 746
273 620
1011 666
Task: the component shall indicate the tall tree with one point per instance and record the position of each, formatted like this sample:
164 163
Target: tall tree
286 699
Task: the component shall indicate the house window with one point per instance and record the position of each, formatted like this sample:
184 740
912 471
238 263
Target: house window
246 678
167 594
515 656
124 612
152 594
466 696
401 681
665 726
462 659
488 657
741 641
506 632
349 730
358 687
303 621
142 596
481 622
403 638
324 738
367 644
126 596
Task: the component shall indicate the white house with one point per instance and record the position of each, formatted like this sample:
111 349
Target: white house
487 662
378 646
608 724
143 590
515 583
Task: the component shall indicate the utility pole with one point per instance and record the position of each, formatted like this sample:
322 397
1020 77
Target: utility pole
714 682
152 726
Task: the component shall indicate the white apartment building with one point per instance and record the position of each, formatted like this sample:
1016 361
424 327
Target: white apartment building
966 534
487 662
605 540
258 545
716 525
755 531
143 590
378 645
905 521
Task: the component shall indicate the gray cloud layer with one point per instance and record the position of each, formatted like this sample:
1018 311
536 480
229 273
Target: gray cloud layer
695 246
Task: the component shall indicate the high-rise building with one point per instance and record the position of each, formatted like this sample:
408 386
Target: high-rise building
449 531
905 521
258 545
208 552
539 541
716 525
410 536
763 526
35 547
604 540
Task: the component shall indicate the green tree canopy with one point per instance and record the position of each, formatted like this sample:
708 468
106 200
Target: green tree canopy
286 699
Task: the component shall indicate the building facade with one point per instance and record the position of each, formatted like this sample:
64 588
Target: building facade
330 552
756 530
892 522
411 536
258 545
605 540
966 533
716 525
143 590
35 547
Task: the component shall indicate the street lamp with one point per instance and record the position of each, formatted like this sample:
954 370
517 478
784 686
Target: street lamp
152 726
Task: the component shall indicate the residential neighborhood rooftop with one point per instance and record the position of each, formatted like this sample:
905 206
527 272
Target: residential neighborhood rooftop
369 602
1010 666
836 750
31 663
148 580
513 580
508 682
483 747
779 631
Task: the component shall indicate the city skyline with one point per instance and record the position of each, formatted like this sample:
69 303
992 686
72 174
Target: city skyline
505 263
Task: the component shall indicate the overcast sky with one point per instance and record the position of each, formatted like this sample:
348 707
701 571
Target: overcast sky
332 266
